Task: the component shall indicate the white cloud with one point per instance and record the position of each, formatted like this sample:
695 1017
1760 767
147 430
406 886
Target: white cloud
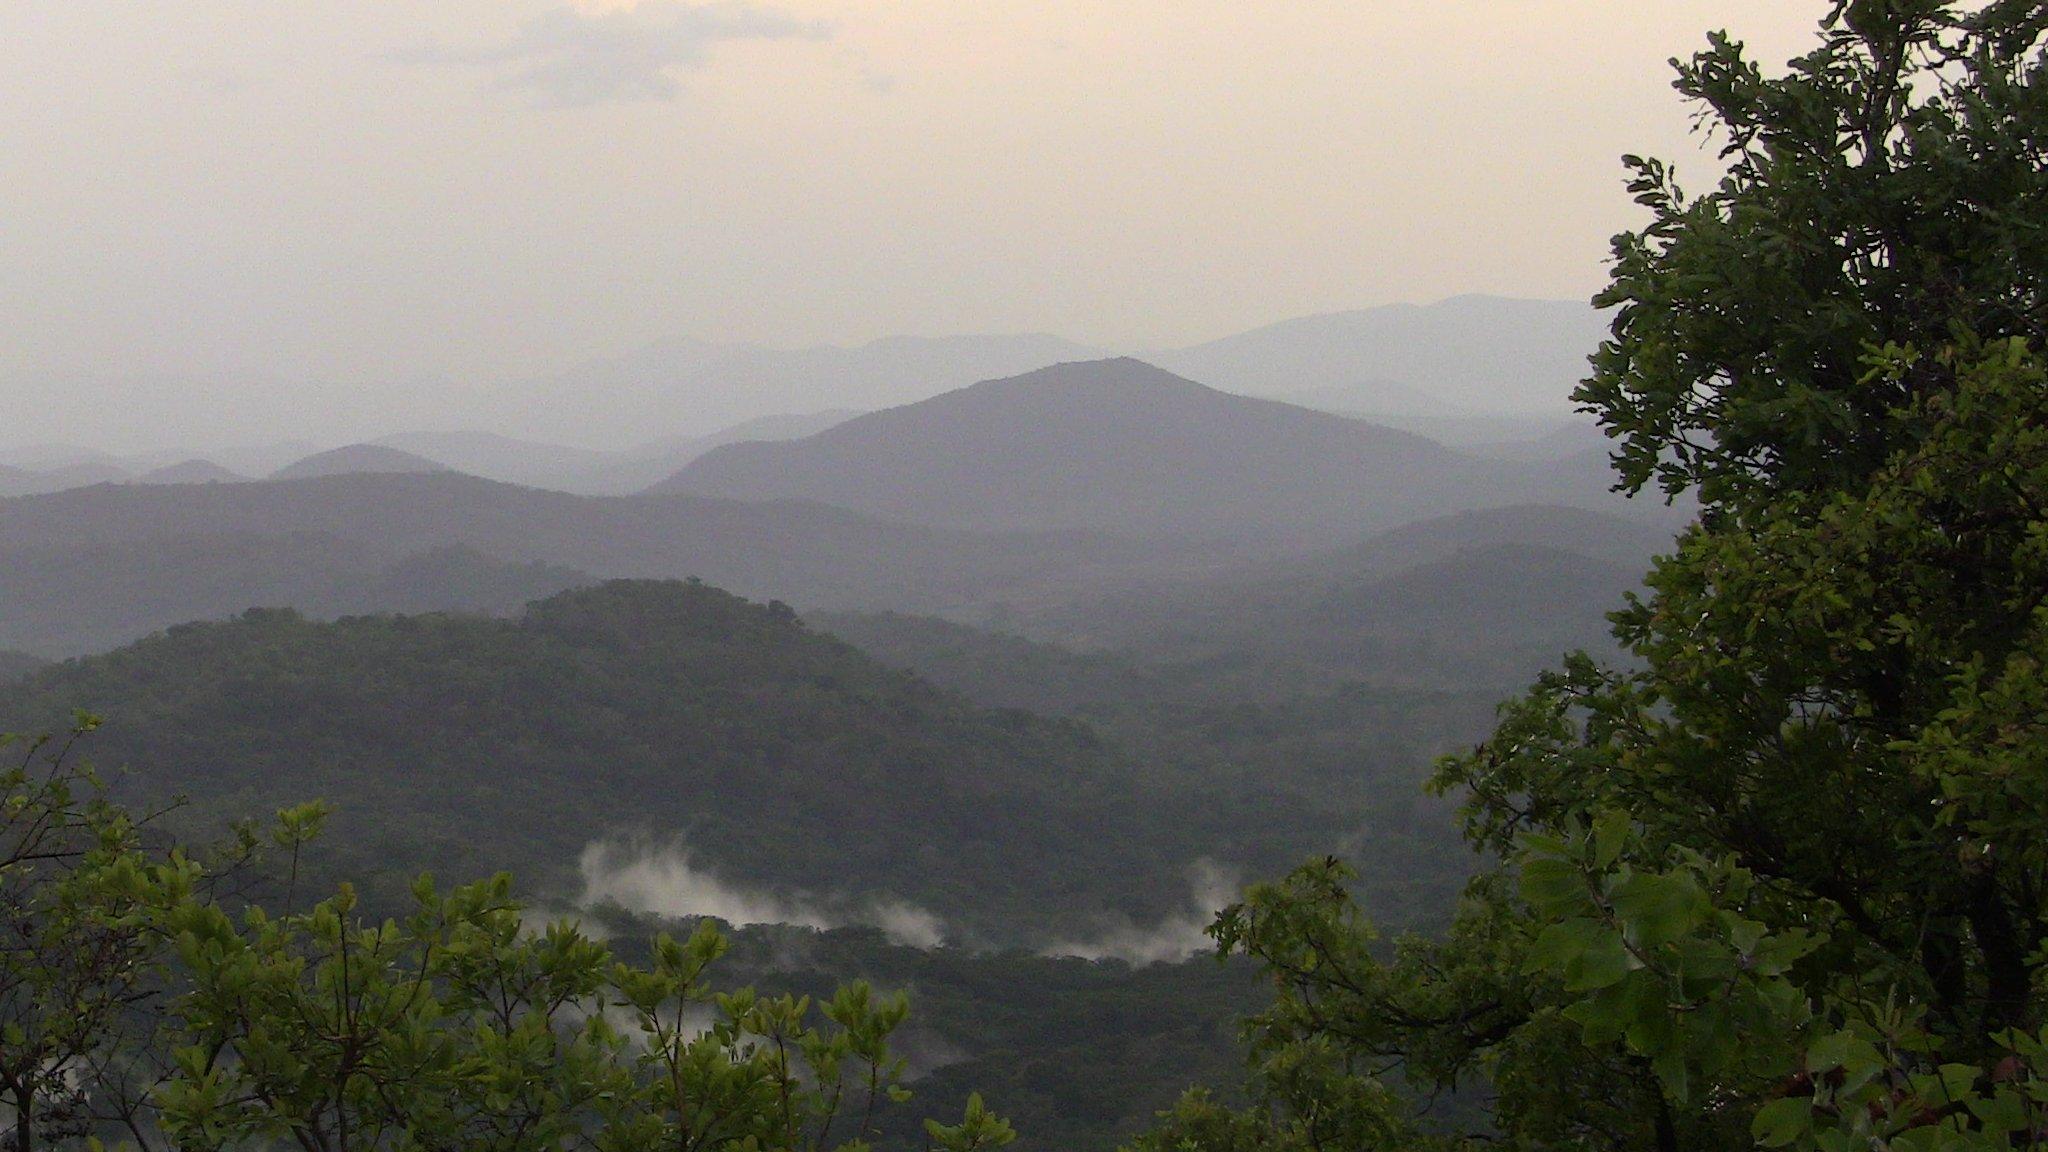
663 881
620 53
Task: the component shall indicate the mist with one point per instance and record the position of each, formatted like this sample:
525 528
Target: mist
662 880
353 220
1171 938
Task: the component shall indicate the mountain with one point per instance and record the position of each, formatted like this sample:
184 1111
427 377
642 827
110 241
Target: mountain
1466 355
703 739
190 472
15 665
514 461
1578 437
82 569
47 456
64 599
591 472
640 467
1481 599
1625 541
694 387
29 481
355 459
16 481
1122 446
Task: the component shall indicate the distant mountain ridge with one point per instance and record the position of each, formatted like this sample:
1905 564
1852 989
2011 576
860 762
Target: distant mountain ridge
1486 597
31 481
1125 447
1464 356
159 555
356 459
696 387
1469 368
190 472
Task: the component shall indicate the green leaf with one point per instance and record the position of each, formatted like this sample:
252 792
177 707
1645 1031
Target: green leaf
1610 835
1605 960
1553 887
1782 1121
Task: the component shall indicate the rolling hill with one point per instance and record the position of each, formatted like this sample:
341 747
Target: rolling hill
71 599
15 665
1468 355
1481 599
694 388
513 461
1121 446
632 713
84 569
644 465
190 472
357 459
16 481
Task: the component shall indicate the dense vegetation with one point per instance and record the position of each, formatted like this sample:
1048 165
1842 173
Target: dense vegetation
786 761
1339 764
1783 880
142 1000
1767 870
1075 1053
466 745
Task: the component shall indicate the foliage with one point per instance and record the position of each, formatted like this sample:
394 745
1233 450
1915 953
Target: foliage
1255 781
78 950
466 745
793 761
459 1027
1786 881
1079 1053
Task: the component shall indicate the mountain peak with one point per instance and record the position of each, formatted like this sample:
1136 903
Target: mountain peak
1114 445
357 458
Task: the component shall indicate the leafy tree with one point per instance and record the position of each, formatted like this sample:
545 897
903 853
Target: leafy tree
1787 880
78 952
142 1000
460 1028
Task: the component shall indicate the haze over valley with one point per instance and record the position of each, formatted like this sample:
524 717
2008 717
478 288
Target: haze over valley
1041 654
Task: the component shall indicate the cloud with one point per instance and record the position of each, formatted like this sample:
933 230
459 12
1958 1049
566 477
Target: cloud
1174 938
579 57
662 880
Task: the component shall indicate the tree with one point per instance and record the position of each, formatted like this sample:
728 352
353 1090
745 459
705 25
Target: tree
1787 878
461 1027
143 1001
79 955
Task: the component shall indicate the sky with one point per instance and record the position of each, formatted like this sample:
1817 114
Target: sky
237 193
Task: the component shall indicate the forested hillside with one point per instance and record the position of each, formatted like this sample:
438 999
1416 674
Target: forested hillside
1479 600
699 734
1081 1053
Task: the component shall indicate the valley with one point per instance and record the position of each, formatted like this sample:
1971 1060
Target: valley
996 696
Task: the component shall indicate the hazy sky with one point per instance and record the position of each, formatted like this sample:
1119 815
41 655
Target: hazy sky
475 189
